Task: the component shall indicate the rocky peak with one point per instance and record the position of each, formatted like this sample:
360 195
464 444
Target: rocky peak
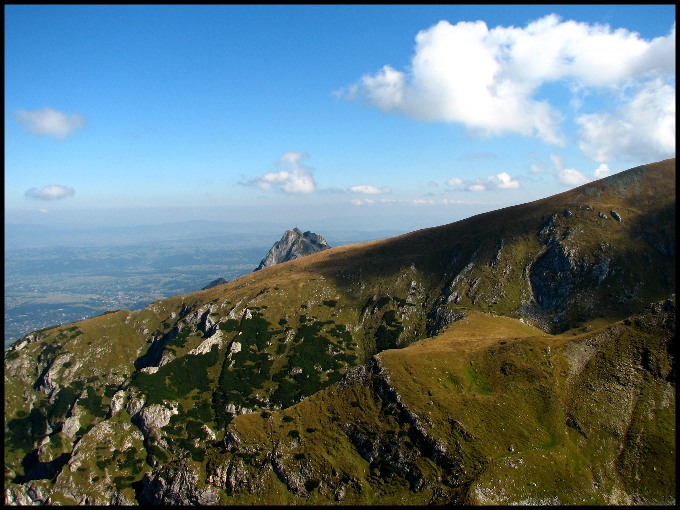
215 283
293 245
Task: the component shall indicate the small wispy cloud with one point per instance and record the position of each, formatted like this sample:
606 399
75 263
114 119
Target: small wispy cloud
49 193
369 190
501 181
50 122
293 177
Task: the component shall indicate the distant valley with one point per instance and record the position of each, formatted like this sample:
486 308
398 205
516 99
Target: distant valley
48 284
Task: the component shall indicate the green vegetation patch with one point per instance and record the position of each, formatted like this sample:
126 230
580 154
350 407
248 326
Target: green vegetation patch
22 432
94 402
229 325
255 331
65 399
389 331
11 355
247 371
178 377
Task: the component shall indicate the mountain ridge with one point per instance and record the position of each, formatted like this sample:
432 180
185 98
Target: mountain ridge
403 352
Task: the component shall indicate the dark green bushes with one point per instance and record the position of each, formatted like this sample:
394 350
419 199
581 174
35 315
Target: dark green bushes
229 325
21 433
62 405
178 378
93 402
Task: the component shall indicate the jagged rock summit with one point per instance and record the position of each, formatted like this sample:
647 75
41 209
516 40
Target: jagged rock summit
293 245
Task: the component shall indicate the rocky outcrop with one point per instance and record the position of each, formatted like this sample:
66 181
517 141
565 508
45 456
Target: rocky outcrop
201 319
29 494
47 380
176 484
117 402
71 425
293 245
135 403
554 277
206 345
154 417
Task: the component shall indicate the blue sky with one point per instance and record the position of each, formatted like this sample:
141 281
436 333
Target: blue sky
373 117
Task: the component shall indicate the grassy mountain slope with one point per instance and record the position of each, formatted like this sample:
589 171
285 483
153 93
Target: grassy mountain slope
469 418
428 367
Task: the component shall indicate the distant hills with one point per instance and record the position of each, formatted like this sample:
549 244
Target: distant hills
215 283
520 356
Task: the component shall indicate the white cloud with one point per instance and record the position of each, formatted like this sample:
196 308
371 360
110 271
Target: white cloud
488 79
499 181
369 190
50 122
642 128
503 181
293 178
51 192
571 177
385 88
602 171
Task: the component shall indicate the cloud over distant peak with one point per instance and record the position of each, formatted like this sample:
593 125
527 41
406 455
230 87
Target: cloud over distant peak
292 178
51 192
489 80
50 122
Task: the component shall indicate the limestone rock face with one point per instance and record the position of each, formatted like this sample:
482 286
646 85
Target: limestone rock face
71 426
293 245
155 416
176 484
117 402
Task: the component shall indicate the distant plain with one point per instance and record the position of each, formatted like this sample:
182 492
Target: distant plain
58 276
